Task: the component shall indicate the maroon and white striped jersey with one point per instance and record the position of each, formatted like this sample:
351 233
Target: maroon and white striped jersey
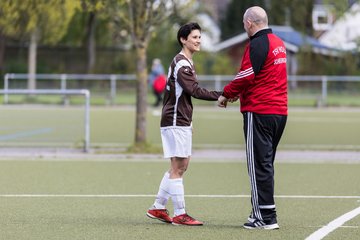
181 85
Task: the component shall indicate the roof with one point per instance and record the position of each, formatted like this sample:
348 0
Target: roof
293 40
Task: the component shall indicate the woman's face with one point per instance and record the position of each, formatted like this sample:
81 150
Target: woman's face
192 43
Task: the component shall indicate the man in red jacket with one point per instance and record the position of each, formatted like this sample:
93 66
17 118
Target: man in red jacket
261 85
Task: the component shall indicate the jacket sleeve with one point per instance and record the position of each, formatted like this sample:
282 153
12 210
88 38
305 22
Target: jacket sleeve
253 60
187 80
259 48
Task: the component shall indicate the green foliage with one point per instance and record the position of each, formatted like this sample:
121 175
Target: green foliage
213 63
277 12
338 8
16 66
123 63
93 5
205 62
138 18
113 33
232 22
163 44
315 64
300 12
20 18
296 13
76 34
144 148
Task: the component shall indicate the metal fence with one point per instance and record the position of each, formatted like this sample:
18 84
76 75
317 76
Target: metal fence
64 78
216 82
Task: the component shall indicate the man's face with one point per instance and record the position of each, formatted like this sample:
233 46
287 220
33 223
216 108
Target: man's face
247 25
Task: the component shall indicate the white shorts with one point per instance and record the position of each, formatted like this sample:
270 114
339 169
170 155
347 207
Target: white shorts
177 142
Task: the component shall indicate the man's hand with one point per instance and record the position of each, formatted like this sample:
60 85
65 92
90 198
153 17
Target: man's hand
233 99
222 101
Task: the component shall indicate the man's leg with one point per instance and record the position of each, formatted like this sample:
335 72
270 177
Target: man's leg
259 151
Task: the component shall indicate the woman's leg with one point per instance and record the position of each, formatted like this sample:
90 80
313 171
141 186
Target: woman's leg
163 194
178 168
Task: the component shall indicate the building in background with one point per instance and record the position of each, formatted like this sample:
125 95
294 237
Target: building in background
294 42
344 33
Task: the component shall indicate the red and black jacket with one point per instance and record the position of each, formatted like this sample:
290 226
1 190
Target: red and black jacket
261 81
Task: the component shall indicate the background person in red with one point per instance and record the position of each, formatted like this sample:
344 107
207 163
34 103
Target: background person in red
157 80
261 85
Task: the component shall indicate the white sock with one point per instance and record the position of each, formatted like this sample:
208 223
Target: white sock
164 192
177 195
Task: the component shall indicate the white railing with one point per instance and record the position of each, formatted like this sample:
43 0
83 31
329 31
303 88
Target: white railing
83 92
219 80
63 78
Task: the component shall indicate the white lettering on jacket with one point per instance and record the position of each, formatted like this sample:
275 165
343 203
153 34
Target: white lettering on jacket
279 61
278 50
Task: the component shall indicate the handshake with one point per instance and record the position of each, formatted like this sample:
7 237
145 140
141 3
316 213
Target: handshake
222 101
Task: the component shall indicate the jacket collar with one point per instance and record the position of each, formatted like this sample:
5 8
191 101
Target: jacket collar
261 32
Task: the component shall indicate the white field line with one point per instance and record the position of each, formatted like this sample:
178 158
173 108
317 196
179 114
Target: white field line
319 234
152 195
331 226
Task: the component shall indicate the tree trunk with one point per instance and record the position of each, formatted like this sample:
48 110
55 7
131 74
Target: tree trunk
32 61
90 42
141 96
2 52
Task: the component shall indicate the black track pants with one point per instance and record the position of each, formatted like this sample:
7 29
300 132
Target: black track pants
262 134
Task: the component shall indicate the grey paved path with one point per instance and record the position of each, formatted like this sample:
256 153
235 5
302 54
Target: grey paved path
198 155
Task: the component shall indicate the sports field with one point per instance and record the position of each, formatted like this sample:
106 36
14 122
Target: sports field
113 127
107 199
105 196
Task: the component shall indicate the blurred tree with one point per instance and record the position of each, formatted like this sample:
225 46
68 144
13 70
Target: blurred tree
232 22
93 8
90 29
139 19
300 18
338 8
2 50
36 21
165 36
295 13
209 63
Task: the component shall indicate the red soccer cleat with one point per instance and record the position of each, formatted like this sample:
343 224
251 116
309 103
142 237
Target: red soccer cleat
159 214
185 219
